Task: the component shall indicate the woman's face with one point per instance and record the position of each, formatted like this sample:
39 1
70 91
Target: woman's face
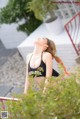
42 42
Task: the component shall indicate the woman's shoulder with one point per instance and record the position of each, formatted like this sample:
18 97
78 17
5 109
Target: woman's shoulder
47 57
47 54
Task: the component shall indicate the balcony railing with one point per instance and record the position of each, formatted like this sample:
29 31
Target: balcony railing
3 99
73 30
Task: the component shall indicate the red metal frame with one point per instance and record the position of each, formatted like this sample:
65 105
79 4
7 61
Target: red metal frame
77 48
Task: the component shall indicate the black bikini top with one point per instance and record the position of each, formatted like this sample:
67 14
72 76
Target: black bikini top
39 71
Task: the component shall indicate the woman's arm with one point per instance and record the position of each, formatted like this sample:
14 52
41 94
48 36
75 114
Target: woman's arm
58 59
26 85
26 80
49 64
48 61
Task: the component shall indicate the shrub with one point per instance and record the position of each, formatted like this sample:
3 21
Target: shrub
60 101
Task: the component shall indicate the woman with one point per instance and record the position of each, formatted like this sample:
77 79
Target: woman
39 63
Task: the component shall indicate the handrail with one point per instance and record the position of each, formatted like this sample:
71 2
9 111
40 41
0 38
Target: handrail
2 99
8 98
73 30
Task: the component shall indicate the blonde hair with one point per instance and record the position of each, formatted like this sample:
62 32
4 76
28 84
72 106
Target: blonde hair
51 47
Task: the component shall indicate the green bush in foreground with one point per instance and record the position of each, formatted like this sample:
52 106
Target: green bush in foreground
60 101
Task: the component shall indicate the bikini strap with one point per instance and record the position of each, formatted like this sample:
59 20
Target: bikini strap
32 54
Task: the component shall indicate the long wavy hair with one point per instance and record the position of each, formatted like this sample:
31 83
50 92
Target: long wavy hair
51 47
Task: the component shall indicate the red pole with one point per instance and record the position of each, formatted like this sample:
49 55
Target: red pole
71 40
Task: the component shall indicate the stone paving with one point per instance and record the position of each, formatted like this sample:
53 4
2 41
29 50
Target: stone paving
5 53
12 71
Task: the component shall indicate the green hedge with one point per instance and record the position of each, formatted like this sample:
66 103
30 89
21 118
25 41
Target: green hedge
60 101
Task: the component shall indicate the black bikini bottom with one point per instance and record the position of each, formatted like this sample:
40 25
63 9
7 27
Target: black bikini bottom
55 73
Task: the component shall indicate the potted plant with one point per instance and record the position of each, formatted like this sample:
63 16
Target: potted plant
45 11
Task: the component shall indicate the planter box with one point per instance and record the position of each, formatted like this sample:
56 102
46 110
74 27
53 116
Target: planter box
55 27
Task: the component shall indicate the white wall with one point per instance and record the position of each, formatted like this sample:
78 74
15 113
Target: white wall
10 37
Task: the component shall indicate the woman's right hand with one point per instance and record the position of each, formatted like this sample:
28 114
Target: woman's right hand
67 73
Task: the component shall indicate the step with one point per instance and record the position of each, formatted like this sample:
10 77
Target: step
2 60
7 53
4 90
10 91
1 45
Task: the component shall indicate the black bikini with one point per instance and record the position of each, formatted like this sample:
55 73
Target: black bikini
40 70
